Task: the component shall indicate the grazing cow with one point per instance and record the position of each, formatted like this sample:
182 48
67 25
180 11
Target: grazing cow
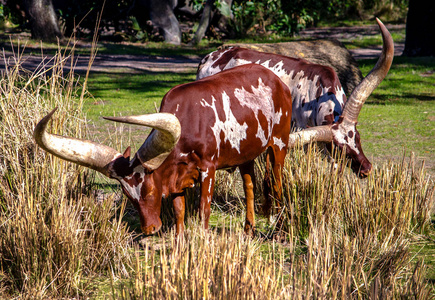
219 122
327 52
318 98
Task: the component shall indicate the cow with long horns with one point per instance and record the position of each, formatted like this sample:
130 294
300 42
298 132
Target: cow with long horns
222 121
319 102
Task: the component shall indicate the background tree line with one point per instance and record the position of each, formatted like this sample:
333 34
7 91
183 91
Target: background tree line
189 21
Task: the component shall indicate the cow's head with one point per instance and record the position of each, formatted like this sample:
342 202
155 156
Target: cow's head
346 138
140 183
343 133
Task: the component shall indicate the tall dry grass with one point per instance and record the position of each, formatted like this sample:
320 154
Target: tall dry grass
345 239
55 238
203 265
396 198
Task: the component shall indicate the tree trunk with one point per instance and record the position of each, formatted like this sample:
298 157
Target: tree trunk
43 20
204 23
162 16
420 25
208 17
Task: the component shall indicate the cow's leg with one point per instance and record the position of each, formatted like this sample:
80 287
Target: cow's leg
248 176
273 182
267 205
179 209
207 187
277 166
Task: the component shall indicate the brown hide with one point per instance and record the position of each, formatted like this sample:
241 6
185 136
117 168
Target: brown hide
317 96
206 145
317 93
330 53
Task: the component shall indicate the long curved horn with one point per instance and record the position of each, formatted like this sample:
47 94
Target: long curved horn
160 142
360 94
82 152
312 134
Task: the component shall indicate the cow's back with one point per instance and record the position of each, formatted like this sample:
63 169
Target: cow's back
234 112
318 97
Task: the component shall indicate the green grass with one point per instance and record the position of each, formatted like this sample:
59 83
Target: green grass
372 41
121 93
425 250
400 113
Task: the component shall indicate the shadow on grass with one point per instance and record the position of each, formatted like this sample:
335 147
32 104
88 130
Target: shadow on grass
140 83
405 99
400 62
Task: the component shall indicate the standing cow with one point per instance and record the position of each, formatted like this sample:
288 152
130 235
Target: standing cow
222 121
318 97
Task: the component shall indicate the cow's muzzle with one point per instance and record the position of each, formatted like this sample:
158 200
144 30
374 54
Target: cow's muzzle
152 228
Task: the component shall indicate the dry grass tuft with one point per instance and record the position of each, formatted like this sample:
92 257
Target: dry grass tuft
396 199
204 265
54 236
344 238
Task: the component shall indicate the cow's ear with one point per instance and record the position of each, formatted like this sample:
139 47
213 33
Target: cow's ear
127 152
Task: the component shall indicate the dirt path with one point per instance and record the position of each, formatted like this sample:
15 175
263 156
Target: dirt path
108 63
140 63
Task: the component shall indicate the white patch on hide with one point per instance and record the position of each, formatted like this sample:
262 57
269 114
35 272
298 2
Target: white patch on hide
207 68
209 186
135 190
260 100
341 133
340 95
234 132
204 175
278 142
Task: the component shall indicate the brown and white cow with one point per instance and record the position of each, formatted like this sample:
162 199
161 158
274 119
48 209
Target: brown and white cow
222 121
318 97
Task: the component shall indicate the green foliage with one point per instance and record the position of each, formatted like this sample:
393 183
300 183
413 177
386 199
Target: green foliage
128 19
260 17
285 18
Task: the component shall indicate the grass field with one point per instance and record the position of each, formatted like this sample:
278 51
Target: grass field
400 114
67 235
